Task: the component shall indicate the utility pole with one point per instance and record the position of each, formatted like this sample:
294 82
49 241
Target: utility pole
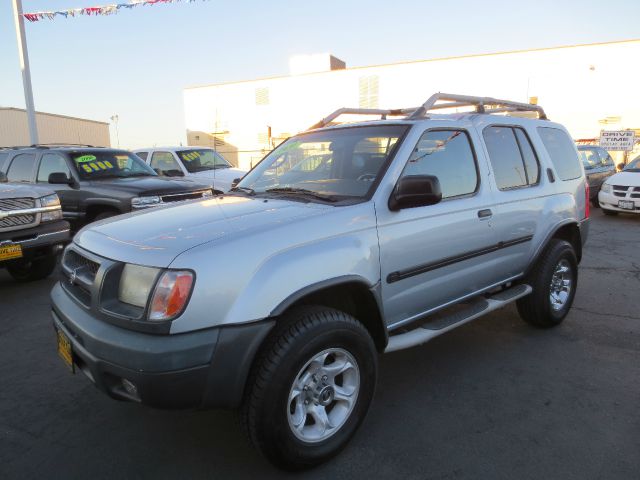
26 73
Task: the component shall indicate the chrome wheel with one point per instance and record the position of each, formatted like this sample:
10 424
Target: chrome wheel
323 395
561 284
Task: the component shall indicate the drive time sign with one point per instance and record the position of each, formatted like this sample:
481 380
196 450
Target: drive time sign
617 139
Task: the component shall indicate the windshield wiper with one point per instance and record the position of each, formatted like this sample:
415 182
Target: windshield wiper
302 191
247 190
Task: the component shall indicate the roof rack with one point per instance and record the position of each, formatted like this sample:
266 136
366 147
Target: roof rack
48 145
481 104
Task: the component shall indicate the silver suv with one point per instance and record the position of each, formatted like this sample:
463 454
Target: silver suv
346 241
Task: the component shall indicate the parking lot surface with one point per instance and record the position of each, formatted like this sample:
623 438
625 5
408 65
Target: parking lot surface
493 399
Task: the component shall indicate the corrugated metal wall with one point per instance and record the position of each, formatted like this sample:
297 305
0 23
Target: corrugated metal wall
51 129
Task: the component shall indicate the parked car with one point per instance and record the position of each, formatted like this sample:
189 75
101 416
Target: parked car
96 183
278 297
201 164
598 166
621 192
32 231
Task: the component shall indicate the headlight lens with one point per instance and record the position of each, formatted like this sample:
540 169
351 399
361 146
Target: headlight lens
142 202
50 201
171 294
136 283
606 188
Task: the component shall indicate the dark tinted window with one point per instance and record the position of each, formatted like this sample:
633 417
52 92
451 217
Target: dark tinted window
447 154
142 155
504 154
21 168
52 163
605 158
532 168
561 151
589 156
96 164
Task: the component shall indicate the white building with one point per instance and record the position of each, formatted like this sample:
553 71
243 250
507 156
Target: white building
52 128
585 87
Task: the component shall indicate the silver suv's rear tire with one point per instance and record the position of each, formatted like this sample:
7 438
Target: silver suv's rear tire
311 387
554 280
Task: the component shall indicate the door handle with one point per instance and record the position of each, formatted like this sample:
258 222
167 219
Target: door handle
486 213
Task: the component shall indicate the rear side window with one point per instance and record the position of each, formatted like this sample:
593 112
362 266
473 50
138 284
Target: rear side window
52 163
447 154
561 151
512 157
21 168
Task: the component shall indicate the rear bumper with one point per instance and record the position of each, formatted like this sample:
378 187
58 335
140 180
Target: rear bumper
206 368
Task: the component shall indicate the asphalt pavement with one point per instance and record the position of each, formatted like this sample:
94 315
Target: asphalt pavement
495 399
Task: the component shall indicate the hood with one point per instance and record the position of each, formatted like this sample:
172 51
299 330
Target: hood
155 237
150 185
22 190
627 179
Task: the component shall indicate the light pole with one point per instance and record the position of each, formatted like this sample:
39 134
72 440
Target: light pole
114 119
26 73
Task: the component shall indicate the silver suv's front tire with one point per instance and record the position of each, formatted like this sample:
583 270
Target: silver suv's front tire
311 387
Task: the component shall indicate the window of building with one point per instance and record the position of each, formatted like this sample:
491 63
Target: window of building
512 157
52 163
368 91
562 152
21 168
262 96
447 154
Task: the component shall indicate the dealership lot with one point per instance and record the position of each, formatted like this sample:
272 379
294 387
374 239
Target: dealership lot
493 399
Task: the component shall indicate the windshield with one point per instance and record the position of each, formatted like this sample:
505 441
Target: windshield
199 160
94 164
331 164
633 165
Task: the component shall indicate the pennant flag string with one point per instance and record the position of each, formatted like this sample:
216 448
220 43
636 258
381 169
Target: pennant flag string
102 10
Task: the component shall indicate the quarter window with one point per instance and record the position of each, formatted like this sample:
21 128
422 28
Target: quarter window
562 152
512 157
52 163
446 154
21 168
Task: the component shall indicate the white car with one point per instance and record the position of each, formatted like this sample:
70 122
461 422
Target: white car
201 164
621 192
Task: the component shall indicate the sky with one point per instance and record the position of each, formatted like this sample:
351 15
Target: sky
135 64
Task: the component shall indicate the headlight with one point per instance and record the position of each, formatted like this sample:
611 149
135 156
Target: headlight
606 188
142 202
51 201
136 283
171 294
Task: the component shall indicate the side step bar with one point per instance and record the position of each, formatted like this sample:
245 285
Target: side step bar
434 327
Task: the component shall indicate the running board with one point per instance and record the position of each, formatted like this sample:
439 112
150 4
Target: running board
478 307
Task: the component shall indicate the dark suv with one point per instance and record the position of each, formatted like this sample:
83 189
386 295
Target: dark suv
95 183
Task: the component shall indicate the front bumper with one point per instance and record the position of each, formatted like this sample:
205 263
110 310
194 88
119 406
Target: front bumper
206 368
45 239
609 201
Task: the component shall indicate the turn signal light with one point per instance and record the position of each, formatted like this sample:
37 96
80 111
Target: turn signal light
587 209
171 294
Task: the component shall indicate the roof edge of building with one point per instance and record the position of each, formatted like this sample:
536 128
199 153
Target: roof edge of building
437 59
55 115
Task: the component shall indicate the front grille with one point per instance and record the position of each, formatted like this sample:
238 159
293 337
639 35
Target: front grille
73 260
8 204
17 221
178 197
635 192
620 190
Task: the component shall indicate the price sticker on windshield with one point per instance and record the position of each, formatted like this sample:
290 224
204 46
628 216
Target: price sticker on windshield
85 158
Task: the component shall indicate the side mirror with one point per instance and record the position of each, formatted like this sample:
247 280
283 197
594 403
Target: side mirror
415 191
235 182
3 177
59 178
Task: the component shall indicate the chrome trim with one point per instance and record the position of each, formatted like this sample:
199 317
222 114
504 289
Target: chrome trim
29 211
35 239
